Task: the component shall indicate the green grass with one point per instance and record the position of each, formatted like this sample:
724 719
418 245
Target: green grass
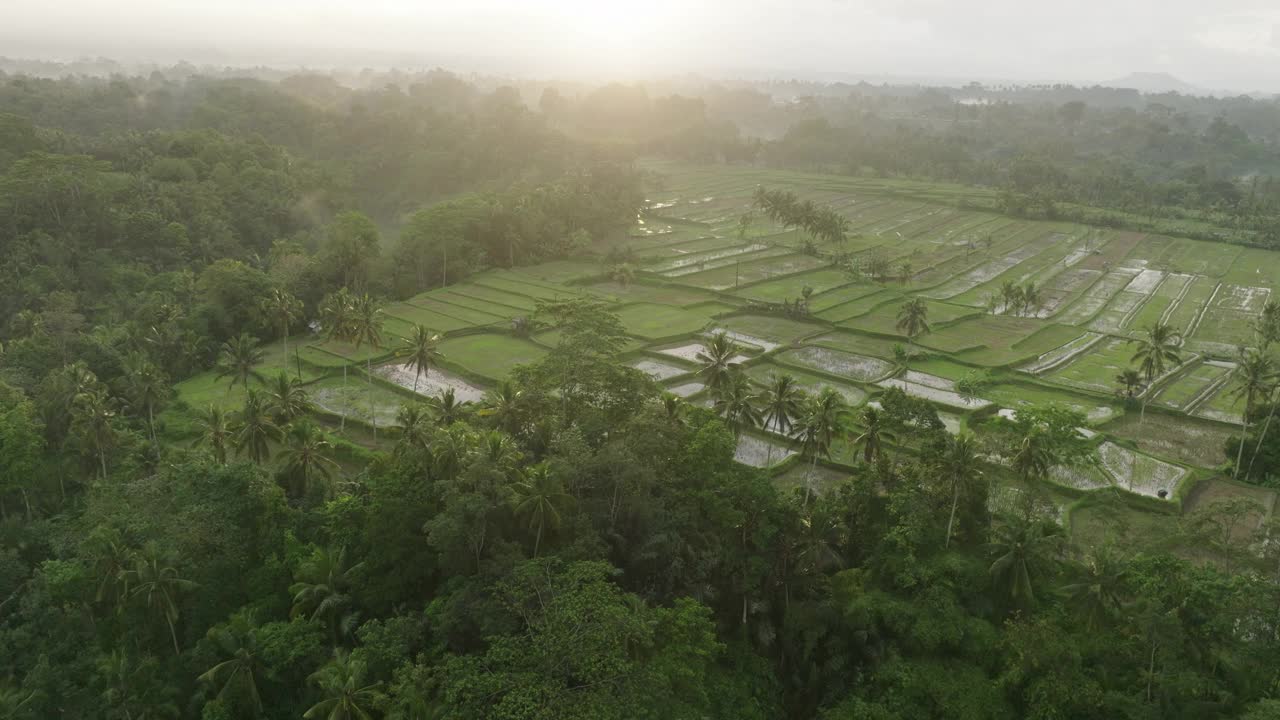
770 327
201 391
999 340
652 321
679 296
1097 369
1189 385
832 298
884 319
358 399
1016 395
490 355
792 287
864 304
723 278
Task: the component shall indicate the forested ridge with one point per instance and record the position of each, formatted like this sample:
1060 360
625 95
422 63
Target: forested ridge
578 543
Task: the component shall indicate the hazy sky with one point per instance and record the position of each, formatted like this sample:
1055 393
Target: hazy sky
1230 44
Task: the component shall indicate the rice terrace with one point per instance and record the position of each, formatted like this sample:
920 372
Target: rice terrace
1020 313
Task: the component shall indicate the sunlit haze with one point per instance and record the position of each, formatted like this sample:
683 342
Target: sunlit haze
1232 44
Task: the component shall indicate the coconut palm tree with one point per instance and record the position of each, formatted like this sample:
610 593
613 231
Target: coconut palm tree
1130 382
415 426
1157 350
346 697
287 399
960 468
502 407
146 387
783 402
255 429
1030 300
306 457
717 360
236 677
366 328
283 308
874 435
822 421
448 409
1023 553
215 432
1256 376
322 590
1097 595
93 418
337 311
422 352
157 582
736 402
1034 456
913 318
237 359
540 497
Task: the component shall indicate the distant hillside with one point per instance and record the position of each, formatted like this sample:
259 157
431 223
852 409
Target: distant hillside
1155 82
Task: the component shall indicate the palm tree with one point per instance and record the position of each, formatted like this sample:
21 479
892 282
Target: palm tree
92 418
254 428
322 590
1030 299
422 353
237 359
539 496
1156 352
1022 553
1130 382
287 399
716 359
146 387
1097 595
366 327
337 311
236 677
913 318
874 434
306 456
502 407
823 420
1010 297
414 426
783 401
448 409
158 583
283 308
960 466
216 432
1034 457
735 401
345 695
1256 375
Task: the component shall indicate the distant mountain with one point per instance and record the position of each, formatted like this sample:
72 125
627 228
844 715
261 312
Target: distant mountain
1155 82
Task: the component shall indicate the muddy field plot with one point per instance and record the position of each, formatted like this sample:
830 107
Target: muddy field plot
760 452
432 383
1241 529
860 368
1140 473
1172 437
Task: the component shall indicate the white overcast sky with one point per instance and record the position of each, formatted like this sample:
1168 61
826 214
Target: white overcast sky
1217 44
